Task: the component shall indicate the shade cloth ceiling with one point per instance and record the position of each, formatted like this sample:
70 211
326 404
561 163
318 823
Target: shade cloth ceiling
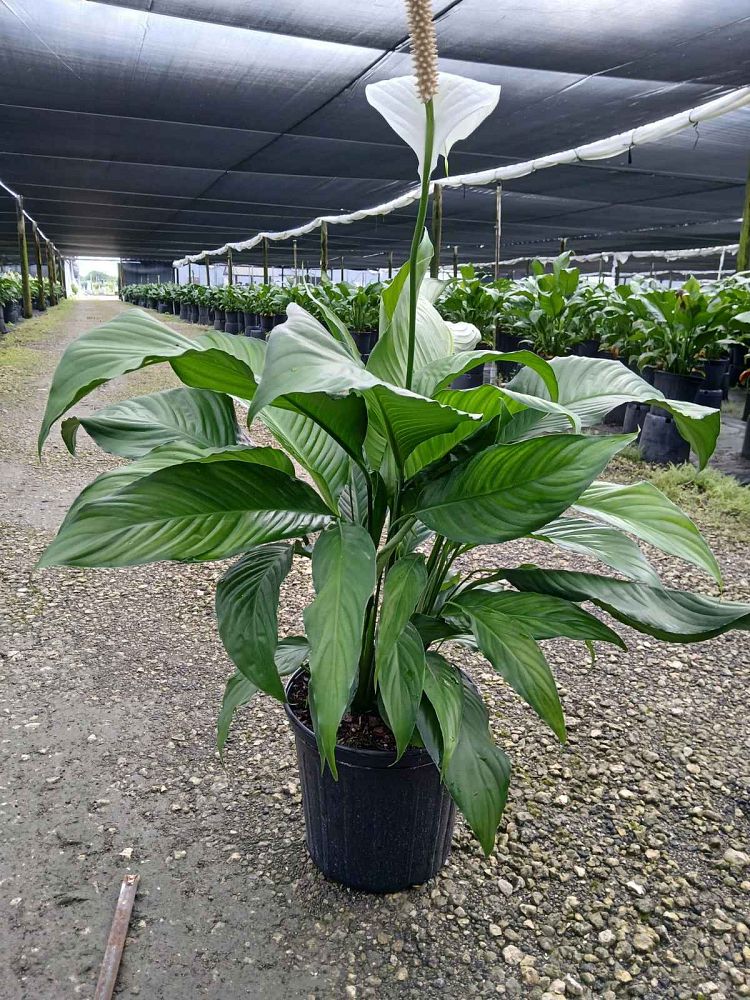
156 128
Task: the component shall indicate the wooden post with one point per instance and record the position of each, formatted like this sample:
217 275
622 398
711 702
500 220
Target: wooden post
498 227
563 244
23 253
208 273
294 261
265 261
437 229
120 278
743 253
230 269
323 249
39 276
455 262
390 264
63 280
342 267
190 273
51 277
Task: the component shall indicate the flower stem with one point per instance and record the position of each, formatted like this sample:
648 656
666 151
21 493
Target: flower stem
424 197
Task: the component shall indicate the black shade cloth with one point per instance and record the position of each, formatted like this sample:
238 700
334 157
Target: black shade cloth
158 128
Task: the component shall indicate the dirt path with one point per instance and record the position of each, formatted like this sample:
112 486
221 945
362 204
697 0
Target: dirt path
622 865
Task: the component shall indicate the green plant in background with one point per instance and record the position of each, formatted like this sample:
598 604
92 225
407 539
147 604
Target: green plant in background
470 300
542 308
11 287
403 476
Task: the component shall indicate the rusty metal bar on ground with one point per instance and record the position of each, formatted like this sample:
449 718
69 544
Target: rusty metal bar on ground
105 986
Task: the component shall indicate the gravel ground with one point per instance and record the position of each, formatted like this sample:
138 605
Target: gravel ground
622 867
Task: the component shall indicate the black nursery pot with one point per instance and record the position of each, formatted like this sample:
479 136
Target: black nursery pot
661 442
194 313
203 315
219 320
266 323
383 826
587 348
682 387
365 341
507 341
184 314
10 312
469 380
232 321
716 370
164 307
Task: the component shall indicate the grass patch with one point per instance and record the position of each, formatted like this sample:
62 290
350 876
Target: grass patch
709 496
16 348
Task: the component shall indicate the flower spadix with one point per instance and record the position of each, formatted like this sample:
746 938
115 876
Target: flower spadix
460 106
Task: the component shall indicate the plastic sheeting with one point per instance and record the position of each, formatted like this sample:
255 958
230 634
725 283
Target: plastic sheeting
156 128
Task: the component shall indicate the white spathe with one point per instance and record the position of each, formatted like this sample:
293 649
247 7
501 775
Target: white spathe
465 336
460 106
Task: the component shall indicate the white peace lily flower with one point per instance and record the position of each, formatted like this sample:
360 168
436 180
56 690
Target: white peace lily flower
465 336
460 107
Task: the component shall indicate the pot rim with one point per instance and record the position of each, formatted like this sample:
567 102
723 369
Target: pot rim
356 756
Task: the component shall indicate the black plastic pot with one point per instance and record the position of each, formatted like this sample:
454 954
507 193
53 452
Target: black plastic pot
736 362
152 304
661 442
176 308
266 323
232 321
252 321
203 317
709 397
507 341
745 451
587 348
164 307
219 319
469 380
365 341
384 825
682 387
617 415
277 319
716 370
635 415
194 313
10 312
184 311
255 332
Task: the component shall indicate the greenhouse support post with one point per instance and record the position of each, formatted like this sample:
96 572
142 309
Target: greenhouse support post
23 253
437 229
323 249
63 282
265 262
208 272
455 262
743 252
294 261
498 226
120 281
40 304
190 274
390 264
342 268
230 269
51 277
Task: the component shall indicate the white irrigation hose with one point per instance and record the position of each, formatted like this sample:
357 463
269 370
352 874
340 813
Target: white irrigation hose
601 149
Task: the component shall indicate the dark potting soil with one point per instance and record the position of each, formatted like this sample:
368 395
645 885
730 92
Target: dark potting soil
364 732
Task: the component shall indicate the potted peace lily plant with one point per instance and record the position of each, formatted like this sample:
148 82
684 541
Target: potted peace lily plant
403 476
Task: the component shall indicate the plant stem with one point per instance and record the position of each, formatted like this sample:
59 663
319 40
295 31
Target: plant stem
417 239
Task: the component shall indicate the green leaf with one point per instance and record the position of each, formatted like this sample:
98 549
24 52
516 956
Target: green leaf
290 655
671 615
171 454
302 357
644 511
404 583
445 692
538 615
591 387
205 509
478 774
509 490
247 598
439 374
601 542
135 427
400 679
343 570
131 341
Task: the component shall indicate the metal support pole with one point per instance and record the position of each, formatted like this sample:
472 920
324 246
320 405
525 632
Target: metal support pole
563 244
437 229
24 255
230 269
120 278
721 265
455 262
743 253
498 227
342 267
208 273
390 264
265 261
190 273
51 274
39 276
294 261
323 249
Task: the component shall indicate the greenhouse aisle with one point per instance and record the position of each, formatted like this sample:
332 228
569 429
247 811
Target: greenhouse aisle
622 868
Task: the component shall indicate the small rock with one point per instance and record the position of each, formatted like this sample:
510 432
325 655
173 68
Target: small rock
512 955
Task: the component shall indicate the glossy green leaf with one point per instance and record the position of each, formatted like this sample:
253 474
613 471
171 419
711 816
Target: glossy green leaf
403 586
509 490
205 509
290 654
343 570
644 511
671 615
247 599
445 692
136 426
400 680
602 542
439 374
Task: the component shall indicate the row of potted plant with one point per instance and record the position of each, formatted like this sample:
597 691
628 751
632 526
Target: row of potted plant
11 296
